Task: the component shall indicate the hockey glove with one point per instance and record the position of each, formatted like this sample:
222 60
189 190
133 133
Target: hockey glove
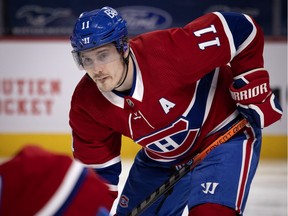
254 98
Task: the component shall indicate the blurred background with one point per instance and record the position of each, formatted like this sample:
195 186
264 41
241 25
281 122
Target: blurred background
38 75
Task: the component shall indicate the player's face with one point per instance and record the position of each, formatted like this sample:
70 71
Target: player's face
104 65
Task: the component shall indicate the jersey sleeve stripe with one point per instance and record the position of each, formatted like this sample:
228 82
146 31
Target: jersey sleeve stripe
112 187
250 38
211 95
104 165
228 34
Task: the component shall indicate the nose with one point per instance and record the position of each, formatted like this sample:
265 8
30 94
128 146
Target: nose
97 69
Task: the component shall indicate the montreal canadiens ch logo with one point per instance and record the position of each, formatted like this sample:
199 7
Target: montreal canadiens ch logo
172 141
123 202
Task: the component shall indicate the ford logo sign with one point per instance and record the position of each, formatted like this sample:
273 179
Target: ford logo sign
142 19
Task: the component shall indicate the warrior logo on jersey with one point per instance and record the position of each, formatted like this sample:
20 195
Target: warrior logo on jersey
172 141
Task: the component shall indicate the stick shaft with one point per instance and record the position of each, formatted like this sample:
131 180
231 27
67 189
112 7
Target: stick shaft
187 168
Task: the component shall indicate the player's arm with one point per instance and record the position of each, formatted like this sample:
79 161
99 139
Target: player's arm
219 39
97 147
251 87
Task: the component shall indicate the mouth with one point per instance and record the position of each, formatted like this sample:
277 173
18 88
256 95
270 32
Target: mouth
101 79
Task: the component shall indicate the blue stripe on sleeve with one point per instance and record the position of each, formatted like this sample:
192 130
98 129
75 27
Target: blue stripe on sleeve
111 173
239 26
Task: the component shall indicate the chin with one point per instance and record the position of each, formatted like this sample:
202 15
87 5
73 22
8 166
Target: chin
105 88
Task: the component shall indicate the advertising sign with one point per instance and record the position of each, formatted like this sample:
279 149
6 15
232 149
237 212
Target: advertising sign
48 18
36 83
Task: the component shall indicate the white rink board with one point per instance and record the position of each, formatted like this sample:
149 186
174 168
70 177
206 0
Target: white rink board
37 79
40 72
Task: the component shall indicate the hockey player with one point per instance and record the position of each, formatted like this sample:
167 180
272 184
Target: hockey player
42 183
173 92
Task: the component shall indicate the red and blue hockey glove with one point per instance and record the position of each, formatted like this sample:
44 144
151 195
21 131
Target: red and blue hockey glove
254 98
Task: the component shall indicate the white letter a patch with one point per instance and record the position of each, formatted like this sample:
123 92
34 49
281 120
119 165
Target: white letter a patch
166 105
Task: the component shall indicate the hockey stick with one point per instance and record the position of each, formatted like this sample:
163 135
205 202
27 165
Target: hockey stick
187 168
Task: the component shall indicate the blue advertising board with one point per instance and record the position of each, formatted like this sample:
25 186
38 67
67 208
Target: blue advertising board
56 17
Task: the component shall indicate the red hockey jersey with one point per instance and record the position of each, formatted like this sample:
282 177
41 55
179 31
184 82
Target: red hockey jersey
180 95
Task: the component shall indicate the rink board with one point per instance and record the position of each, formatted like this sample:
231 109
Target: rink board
35 97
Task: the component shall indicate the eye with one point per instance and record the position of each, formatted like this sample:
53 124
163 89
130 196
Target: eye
103 56
86 61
